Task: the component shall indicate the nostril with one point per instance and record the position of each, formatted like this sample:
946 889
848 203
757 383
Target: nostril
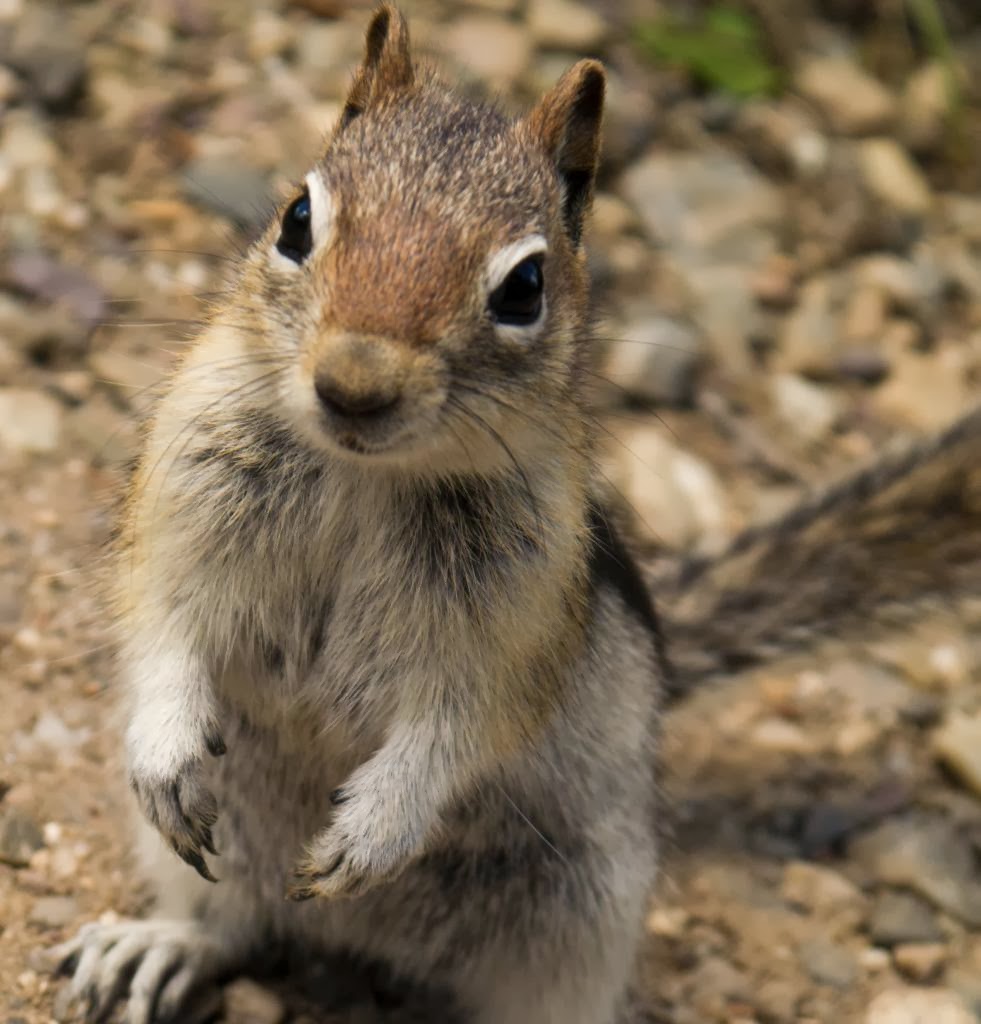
342 402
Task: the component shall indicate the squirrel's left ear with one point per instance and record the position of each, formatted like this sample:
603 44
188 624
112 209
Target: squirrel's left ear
567 123
387 65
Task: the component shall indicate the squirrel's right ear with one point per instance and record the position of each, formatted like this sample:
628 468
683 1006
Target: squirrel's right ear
567 124
387 64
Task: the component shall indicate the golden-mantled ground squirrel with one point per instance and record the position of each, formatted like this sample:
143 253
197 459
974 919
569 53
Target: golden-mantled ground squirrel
383 649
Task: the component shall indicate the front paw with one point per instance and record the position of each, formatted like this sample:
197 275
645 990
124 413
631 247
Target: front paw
181 807
354 854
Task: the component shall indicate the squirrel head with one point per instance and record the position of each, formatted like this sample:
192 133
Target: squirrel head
427 278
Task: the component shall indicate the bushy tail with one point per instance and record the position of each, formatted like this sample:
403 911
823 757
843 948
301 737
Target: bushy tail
870 550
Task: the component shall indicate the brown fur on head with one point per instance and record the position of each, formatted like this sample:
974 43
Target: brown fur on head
420 207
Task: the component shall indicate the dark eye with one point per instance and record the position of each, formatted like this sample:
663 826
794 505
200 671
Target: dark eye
518 299
295 238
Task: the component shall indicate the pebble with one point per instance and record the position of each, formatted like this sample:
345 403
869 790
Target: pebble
928 855
228 186
655 359
706 208
105 434
920 961
807 410
809 337
780 736
957 744
20 837
924 391
493 50
891 176
817 888
30 421
130 376
249 1003
900 917
853 102
828 963
50 57
676 497
925 108
566 25
53 911
918 1006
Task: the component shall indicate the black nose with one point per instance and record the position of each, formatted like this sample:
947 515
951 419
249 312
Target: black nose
342 402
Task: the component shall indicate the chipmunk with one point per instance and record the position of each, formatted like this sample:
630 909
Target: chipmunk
384 651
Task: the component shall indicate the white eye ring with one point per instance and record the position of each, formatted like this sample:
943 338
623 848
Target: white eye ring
505 260
321 220
499 267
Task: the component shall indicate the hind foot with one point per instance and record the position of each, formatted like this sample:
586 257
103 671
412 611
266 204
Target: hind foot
162 970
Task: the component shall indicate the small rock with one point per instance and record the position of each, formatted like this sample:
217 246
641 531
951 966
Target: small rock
565 25
20 837
924 391
249 1003
784 135
269 36
957 743
817 888
675 496
892 177
228 186
53 911
930 856
854 102
925 108
920 961
864 364
809 410
828 963
46 52
655 359
865 314
30 421
668 921
491 49
103 432
780 736
918 1006
44 277
900 917
809 339
705 209
775 283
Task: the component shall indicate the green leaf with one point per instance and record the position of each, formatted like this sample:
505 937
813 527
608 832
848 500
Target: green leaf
725 51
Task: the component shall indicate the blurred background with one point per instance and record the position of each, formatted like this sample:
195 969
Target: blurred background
786 257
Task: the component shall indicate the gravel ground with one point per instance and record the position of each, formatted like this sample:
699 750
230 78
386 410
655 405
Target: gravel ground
785 285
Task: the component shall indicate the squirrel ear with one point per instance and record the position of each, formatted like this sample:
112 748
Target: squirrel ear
566 123
387 64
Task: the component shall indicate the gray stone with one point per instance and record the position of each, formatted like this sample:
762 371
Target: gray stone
49 56
705 208
928 855
809 339
900 917
655 359
53 911
20 837
828 963
229 187
30 421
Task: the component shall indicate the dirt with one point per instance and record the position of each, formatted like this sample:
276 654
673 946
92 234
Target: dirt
819 859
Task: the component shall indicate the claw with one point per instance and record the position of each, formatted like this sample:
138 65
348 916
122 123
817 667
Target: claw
194 858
